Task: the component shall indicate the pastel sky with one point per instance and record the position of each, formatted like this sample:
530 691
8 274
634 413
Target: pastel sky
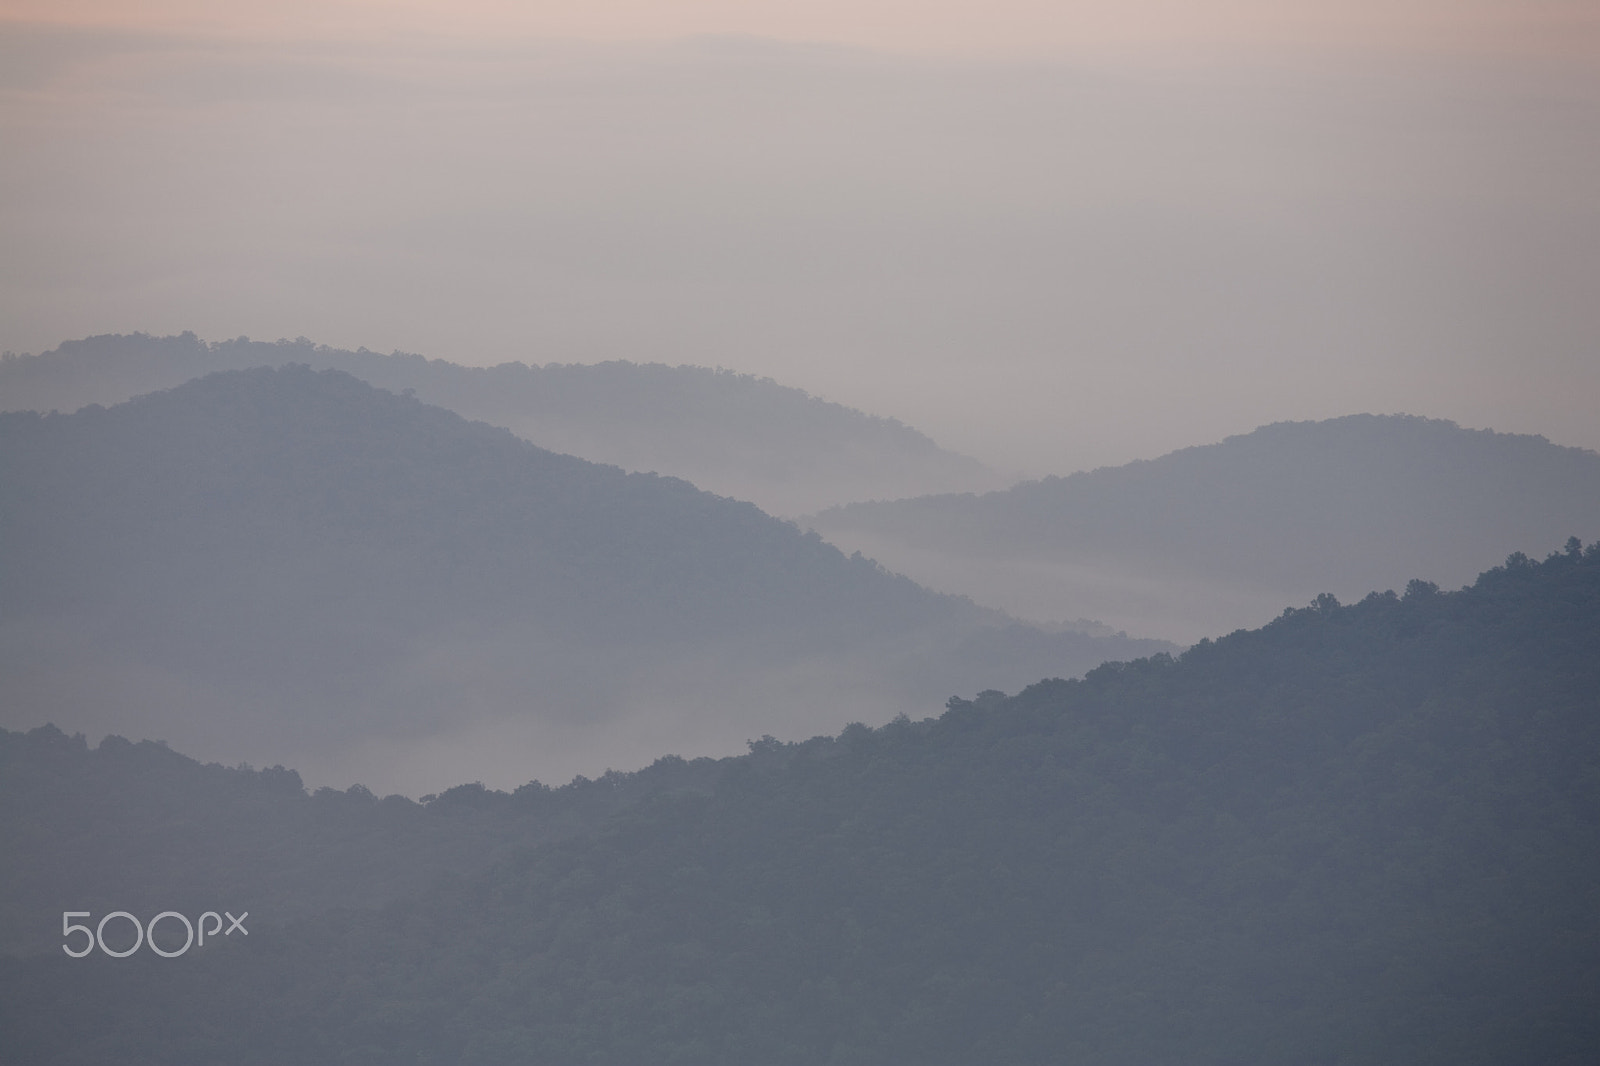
944 25
1050 235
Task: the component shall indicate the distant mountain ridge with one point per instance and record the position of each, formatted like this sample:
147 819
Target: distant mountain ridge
733 434
297 566
1210 538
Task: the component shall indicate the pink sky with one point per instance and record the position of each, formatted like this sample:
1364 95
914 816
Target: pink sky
1570 27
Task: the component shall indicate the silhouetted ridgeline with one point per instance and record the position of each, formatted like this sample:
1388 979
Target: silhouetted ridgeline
733 434
142 828
1208 539
1360 834
293 566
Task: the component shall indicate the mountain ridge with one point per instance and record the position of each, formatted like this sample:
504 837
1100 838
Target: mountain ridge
1279 514
1356 829
735 434
265 554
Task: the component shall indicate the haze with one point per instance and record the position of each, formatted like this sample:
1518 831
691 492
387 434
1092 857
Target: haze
1051 238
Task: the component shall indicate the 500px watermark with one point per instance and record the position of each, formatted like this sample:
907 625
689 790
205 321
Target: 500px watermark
145 934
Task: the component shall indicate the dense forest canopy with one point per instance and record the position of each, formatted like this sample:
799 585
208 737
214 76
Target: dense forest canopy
1359 834
1207 539
734 434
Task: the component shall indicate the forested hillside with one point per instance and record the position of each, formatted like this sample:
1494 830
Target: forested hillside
142 827
1208 539
1359 834
291 566
733 434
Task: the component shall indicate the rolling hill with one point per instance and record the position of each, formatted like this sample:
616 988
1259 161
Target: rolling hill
292 566
1212 538
733 434
1359 834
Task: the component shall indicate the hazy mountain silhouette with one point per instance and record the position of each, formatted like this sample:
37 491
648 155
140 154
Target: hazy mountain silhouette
1358 834
293 566
1211 538
733 434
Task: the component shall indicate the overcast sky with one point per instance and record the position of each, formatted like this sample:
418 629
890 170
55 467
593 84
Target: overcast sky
1053 236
